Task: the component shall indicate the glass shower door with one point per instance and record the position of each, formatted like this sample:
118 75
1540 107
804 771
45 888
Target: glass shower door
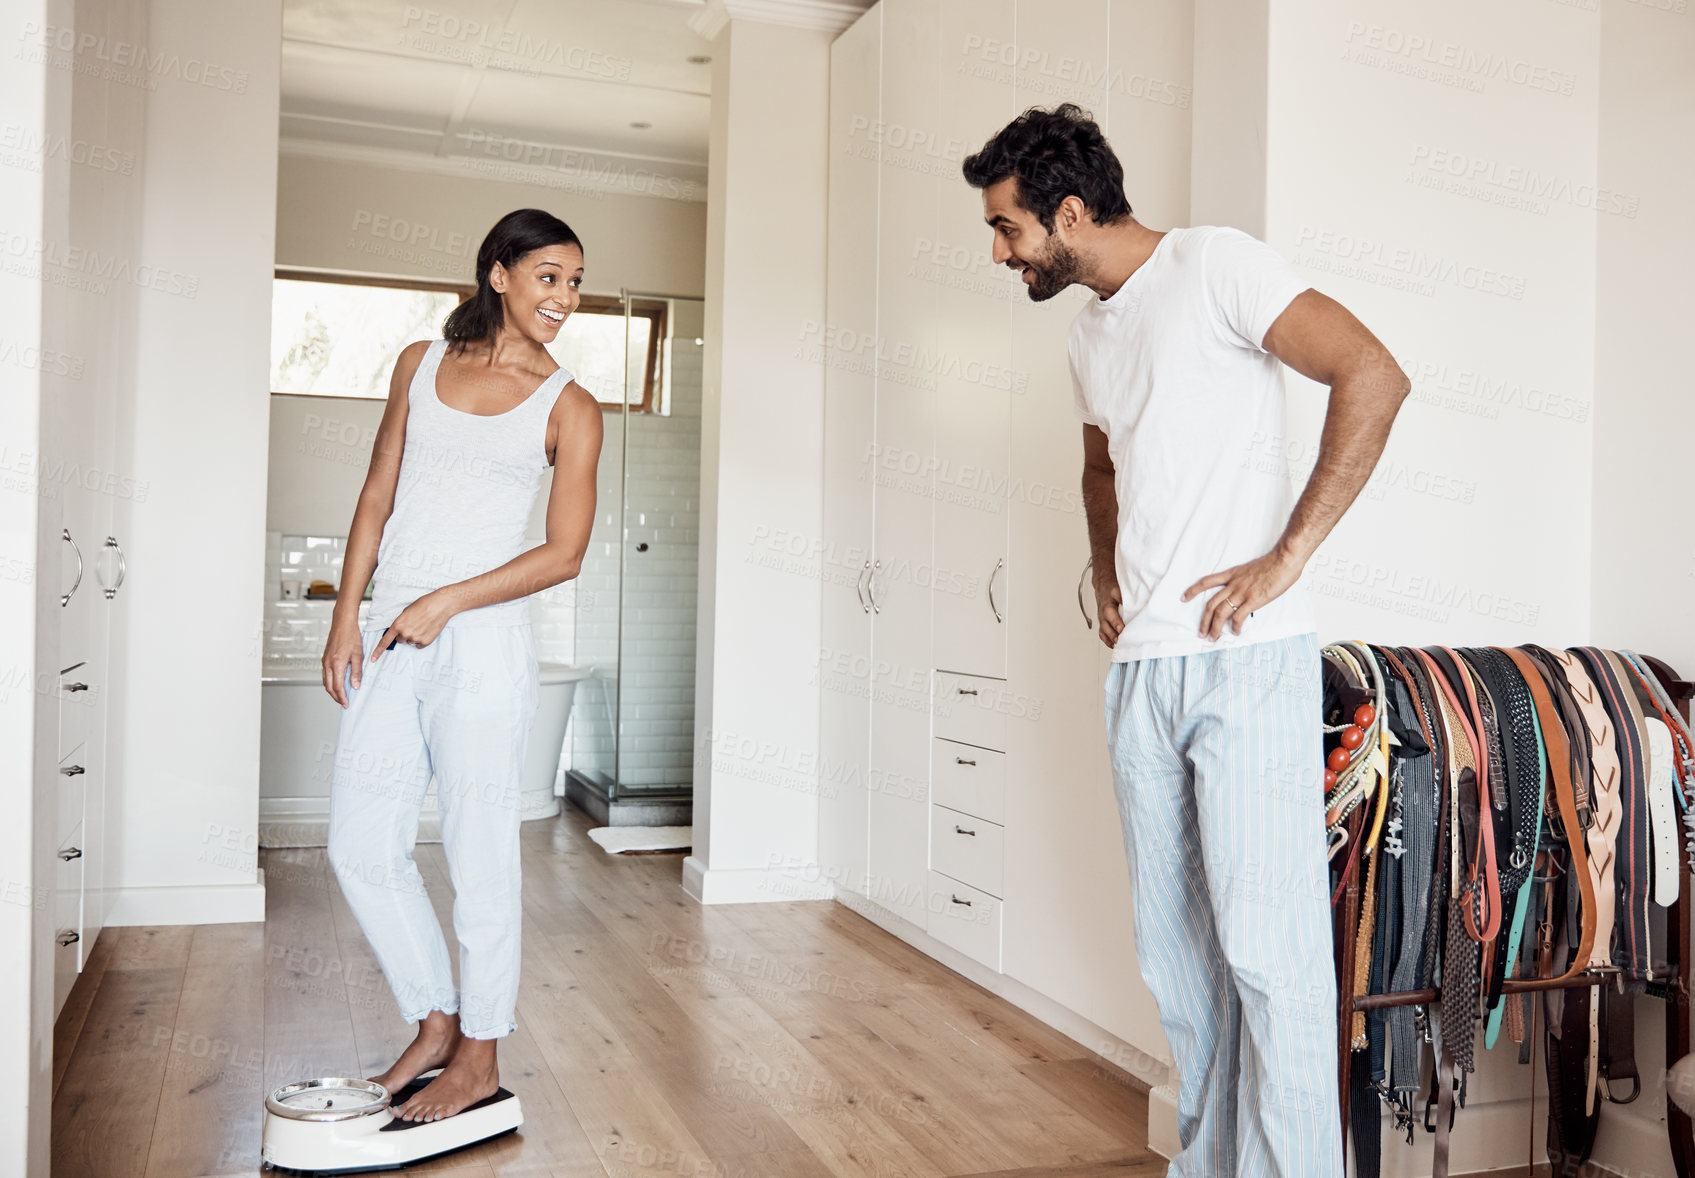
633 725
661 550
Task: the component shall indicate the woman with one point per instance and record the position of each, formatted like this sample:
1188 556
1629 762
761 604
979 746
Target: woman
443 676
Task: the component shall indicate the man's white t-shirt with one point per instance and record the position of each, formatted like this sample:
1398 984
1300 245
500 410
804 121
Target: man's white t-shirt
1172 369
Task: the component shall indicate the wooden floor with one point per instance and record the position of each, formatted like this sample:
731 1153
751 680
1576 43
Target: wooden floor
656 1038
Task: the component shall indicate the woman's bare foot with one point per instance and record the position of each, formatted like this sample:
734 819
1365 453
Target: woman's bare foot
438 1038
469 1077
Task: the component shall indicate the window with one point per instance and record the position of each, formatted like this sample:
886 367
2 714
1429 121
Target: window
592 346
338 337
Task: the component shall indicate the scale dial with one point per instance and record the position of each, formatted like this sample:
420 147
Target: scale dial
332 1098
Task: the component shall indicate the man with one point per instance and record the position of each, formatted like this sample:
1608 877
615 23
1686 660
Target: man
1213 701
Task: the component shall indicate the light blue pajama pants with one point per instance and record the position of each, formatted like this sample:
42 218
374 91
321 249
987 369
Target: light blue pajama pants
1217 765
459 709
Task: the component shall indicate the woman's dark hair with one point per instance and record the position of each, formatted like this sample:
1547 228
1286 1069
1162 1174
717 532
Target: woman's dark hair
514 235
1055 154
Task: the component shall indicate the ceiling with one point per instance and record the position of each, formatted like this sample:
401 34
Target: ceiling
522 86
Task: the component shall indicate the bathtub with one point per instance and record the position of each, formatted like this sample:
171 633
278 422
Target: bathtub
299 722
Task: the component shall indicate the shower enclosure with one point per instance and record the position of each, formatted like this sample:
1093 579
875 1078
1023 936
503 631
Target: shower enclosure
632 728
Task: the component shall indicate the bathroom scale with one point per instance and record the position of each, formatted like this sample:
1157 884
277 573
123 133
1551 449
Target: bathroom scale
338 1125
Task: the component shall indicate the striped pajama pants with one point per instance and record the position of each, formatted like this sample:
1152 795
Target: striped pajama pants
1216 761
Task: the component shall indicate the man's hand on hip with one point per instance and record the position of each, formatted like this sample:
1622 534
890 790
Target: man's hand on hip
1244 589
1108 605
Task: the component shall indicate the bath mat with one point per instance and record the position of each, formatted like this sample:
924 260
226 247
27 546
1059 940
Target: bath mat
308 833
643 840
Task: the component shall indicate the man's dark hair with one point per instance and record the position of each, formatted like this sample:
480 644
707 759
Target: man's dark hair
1055 154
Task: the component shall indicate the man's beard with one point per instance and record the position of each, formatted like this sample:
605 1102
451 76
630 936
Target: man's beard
1057 270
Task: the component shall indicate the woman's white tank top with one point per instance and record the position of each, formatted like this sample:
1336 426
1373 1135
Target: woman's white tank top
463 498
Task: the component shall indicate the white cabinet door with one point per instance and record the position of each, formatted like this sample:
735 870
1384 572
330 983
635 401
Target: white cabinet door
1067 929
975 379
849 419
901 466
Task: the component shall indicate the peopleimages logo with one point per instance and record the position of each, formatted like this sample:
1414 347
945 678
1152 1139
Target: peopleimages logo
90 52
464 38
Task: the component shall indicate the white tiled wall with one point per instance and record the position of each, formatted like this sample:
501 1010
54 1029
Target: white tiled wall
663 511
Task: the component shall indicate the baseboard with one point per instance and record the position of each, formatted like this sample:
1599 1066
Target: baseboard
750 885
1114 1051
211 904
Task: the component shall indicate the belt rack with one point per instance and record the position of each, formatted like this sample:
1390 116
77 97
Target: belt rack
1679 1128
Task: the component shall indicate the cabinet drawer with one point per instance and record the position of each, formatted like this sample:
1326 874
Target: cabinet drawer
971 709
71 786
74 706
969 779
966 848
67 886
68 950
966 919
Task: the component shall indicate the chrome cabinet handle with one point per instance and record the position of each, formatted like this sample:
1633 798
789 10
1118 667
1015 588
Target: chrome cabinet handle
1088 622
961 830
73 770
859 586
957 900
123 566
999 564
69 687
68 937
963 761
871 587
70 853
65 598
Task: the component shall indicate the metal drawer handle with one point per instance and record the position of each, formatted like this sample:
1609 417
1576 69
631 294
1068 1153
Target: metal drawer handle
72 770
958 829
112 589
70 853
859 587
65 598
68 937
957 900
968 691
1081 579
871 587
963 761
999 564
76 687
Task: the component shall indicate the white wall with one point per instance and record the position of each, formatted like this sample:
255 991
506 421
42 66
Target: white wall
761 433
1643 567
1489 307
380 219
187 756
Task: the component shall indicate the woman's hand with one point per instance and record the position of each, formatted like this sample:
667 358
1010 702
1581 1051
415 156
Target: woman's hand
419 624
344 650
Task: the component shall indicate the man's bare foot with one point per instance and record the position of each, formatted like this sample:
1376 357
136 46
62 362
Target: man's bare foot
469 1077
438 1038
